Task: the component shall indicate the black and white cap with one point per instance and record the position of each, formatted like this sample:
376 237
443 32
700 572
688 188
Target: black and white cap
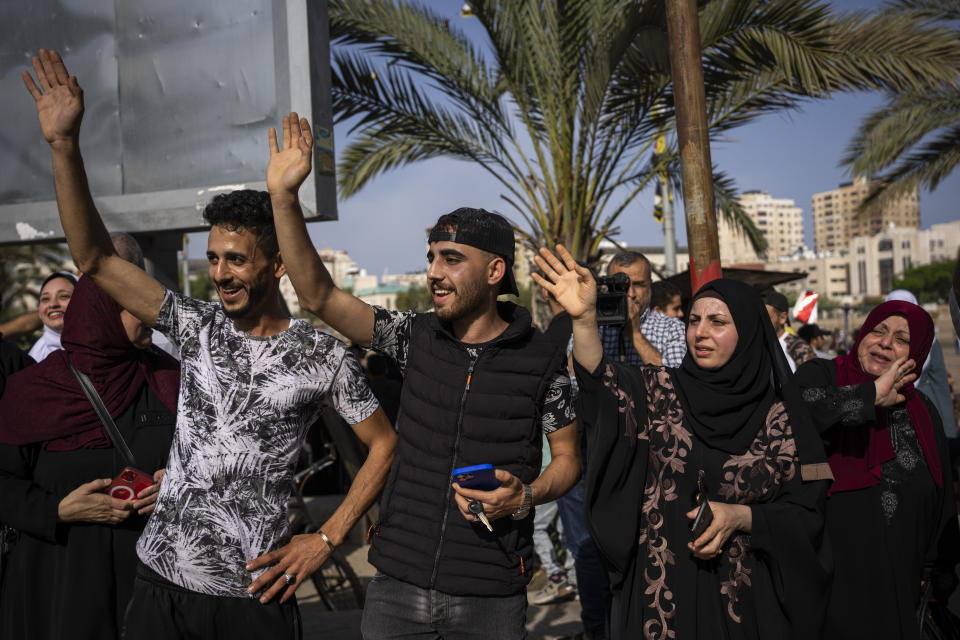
484 230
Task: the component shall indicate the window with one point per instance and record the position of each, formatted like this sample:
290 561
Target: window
862 276
885 245
886 274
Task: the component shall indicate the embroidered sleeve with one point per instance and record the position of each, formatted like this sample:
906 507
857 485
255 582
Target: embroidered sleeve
845 406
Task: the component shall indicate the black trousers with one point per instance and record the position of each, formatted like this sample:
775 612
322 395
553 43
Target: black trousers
161 610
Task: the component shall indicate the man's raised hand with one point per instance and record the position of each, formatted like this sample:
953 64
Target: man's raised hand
290 165
570 284
59 98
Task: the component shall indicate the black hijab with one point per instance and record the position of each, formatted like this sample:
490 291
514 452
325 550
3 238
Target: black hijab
727 407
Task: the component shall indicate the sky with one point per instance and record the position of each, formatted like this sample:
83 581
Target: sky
790 155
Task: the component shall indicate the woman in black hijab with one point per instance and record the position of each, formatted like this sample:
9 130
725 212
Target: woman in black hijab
725 424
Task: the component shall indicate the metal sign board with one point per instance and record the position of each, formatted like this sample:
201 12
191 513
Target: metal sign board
179 96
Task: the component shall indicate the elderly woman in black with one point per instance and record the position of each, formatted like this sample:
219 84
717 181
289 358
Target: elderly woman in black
891 514
723 425
71 572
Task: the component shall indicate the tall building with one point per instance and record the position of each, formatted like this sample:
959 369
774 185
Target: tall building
836 221
778 219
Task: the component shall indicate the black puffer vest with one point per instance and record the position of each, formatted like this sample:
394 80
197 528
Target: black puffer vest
458 411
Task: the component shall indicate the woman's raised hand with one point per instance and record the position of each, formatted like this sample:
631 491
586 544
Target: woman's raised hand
573 286
899 374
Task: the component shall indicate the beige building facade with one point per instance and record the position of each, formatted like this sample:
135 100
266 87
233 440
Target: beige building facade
875 260
778 219
836 221
828 275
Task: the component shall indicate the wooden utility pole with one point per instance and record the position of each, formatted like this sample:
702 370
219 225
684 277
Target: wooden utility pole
683 31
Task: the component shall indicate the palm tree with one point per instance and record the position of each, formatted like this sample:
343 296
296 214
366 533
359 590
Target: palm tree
563 102
914 139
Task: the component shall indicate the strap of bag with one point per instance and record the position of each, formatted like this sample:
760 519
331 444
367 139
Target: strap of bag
112 431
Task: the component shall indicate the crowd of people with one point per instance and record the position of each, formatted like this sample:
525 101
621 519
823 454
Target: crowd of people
711 473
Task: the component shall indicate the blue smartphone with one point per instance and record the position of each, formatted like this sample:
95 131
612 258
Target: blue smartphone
480 477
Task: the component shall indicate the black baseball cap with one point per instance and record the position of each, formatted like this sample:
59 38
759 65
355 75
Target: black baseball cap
484 230
810 331
775 299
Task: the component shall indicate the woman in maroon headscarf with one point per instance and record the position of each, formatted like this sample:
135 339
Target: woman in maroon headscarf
71 572
891 515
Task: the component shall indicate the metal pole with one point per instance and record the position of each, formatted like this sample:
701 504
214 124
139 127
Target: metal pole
683 31
669 231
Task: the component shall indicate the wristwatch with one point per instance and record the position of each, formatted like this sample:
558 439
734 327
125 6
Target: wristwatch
524 509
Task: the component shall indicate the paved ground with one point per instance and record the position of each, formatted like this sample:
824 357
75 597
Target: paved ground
543 622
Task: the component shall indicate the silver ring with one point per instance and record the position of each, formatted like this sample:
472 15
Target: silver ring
289 577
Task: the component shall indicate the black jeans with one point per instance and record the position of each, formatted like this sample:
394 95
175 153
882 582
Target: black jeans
162 610
396 609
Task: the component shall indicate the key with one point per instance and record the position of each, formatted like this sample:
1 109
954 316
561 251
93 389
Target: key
476 508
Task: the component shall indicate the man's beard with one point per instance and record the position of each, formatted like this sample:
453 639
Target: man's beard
256 292
467 300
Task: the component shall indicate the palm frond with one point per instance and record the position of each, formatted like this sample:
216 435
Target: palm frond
563 107
939 10
900 124
926 167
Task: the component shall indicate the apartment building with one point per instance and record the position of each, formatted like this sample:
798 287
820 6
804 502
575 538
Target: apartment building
778 219
837 218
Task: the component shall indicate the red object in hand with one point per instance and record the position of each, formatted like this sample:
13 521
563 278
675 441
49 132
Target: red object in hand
129 483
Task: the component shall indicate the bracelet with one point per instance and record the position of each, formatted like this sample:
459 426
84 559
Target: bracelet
525 505
324 537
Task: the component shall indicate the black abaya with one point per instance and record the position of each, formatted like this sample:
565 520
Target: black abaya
641 480
883 535
73 580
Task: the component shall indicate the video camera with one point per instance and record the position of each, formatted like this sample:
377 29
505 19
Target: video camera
612 299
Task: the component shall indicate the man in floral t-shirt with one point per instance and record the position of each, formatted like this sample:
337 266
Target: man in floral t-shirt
217 549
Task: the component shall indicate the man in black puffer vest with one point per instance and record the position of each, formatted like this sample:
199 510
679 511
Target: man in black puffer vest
480 386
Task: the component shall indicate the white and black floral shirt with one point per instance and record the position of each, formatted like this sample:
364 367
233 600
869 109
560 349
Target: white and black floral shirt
391 337
244 409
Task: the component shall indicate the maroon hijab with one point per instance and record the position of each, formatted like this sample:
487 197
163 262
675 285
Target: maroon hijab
859 451
44 403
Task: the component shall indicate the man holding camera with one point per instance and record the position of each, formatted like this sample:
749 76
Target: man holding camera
648 336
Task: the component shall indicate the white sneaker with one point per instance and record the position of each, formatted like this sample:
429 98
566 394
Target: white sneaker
554 591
